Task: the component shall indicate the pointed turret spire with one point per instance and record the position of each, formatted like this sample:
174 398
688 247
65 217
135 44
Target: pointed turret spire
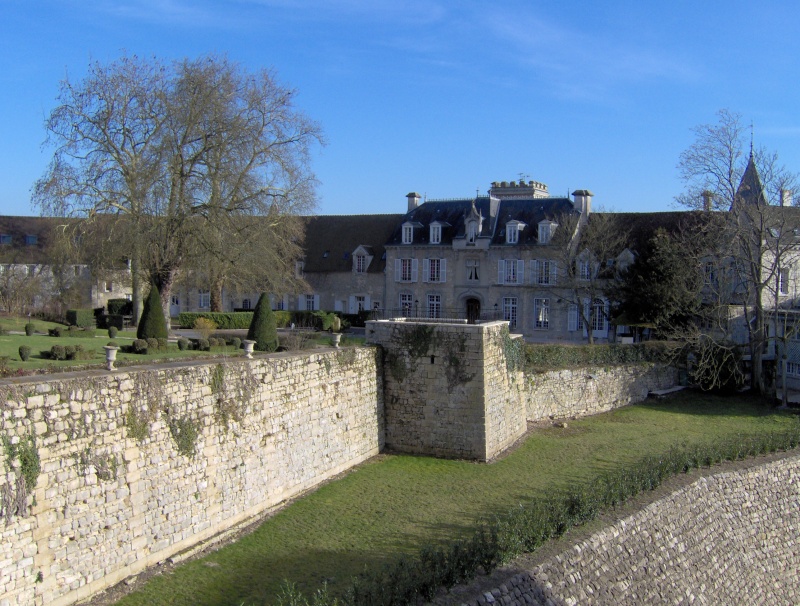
750 190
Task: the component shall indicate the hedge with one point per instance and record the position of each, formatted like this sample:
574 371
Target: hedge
80 317
223 320
556 356
121 307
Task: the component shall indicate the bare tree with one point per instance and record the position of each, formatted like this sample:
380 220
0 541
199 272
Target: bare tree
759 234
589 251
175 149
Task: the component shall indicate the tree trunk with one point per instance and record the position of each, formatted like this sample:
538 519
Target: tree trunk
136 289
216 295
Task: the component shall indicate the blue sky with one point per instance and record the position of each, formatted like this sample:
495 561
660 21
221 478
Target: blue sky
442 97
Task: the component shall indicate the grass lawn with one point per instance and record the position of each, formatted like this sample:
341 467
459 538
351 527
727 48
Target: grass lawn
396 504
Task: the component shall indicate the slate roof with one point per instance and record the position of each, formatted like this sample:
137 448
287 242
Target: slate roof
454 212
30 237
340 235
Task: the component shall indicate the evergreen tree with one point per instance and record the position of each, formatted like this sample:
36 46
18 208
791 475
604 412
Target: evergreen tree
152 323
262 328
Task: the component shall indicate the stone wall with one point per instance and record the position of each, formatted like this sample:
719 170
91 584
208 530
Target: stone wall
137 465
586 391
725 539
447 388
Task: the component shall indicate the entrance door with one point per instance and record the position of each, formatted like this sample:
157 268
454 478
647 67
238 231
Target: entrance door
473 310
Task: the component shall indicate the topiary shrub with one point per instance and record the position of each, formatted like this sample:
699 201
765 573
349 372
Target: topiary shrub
112 344
162 343
112 332
152 344
24 353
30 329
262 329
152 323
56 331
58 352
69 352
81 317
139 346
236 342
183 343
203 345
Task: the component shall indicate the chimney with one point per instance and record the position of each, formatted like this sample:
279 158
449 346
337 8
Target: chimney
786 197
707 198
413 200
582 201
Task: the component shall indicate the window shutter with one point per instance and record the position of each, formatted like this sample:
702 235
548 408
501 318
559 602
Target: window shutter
414 270
520 271
351 304
572 318
316 302
367 303
443 268
535 271
553 272
426 270
301 302
397 270
501 272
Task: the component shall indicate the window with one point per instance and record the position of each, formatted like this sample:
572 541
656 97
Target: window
510 271
31 271
598 316
546 229
434 306
406 303
408 234
544 271
783 281
436 233
405 270
584 270
299 266
361 264
434 270
5 239
76 269
510 311
109 286
709 273
246 304
31 240
541 313
203 298
472 270
361 303
472 232
793 368
512 234
174 300
309 302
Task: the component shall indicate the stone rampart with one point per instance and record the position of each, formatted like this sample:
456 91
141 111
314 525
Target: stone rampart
448 389
586 391
137 465
731 538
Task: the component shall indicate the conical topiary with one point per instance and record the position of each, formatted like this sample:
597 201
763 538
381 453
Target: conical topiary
262 327
152 324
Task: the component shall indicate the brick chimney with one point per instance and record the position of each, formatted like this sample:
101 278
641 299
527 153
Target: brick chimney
413 200
786 197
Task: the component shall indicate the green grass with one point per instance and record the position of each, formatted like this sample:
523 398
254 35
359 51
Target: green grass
9 347
396 504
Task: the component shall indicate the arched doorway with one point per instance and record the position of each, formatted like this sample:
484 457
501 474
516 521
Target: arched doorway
473 310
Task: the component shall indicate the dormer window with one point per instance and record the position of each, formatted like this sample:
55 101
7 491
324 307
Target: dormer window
472 232
31 240
436 233
360 263
5 239
546 230
512 231
408 233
